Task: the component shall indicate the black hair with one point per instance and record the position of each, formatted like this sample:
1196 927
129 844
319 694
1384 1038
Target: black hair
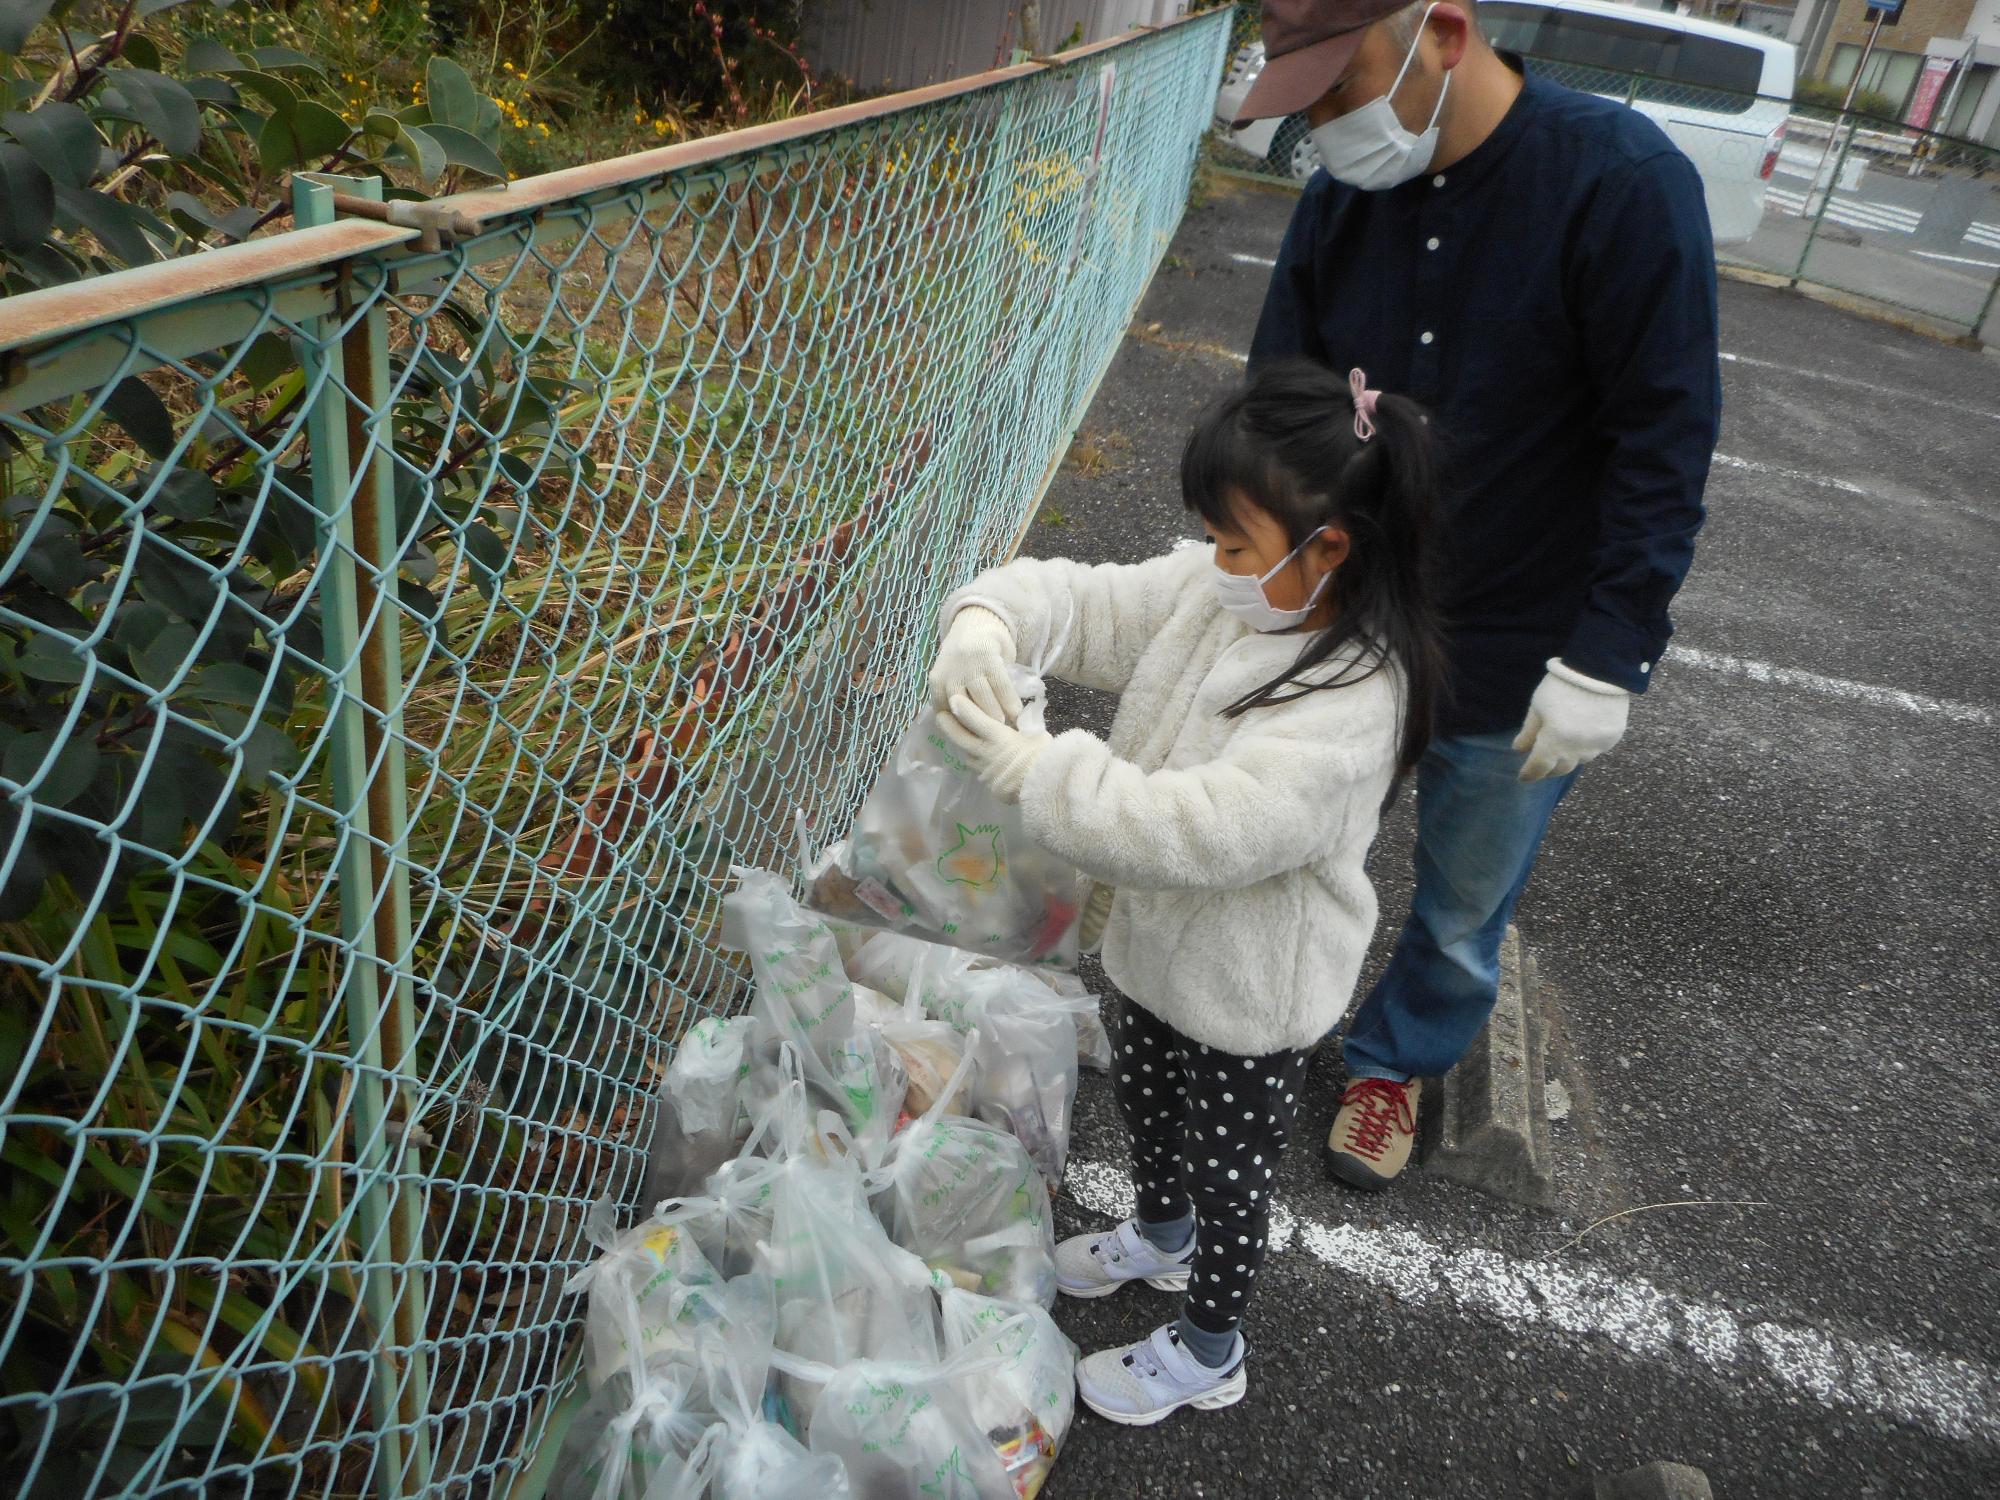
1285 442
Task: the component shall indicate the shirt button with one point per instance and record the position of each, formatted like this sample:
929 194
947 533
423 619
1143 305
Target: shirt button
1438 181
1425 337
1431 243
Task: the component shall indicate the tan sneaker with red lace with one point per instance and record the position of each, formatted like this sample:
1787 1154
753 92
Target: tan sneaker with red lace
1372 1135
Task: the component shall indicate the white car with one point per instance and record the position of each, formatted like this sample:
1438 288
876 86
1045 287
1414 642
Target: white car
1722 94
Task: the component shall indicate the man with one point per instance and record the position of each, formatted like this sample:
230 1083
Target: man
1535 266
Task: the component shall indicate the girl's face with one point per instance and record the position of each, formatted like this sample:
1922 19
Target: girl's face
1261 544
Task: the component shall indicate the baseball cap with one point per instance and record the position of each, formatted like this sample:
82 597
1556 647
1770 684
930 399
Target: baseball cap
1307 45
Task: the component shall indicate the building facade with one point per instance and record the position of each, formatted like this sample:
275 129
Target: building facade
1935 62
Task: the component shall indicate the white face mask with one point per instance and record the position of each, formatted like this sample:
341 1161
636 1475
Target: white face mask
1243 596
1370 148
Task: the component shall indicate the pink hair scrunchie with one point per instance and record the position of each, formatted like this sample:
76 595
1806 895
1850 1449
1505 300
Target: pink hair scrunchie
1364 404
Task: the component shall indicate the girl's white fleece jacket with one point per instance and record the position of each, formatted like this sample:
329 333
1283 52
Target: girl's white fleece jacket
1236 844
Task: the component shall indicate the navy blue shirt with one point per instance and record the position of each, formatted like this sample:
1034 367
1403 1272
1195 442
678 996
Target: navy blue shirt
1551 299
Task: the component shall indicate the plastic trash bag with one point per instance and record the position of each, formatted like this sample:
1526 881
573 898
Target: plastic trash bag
929 1050
966 1197
1026 1403
919 1429
730 1220
845 1291
803 996
934 853
650 1290
1026 1055
1093 1041
754 1454
896 964
637 1438
702 1120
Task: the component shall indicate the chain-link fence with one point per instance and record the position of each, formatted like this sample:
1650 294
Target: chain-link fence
1864 206
405 625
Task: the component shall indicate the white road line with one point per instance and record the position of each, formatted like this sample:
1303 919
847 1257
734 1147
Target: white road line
1895 395
1252 260
1832 687
1958 260
1804 476
1957 1398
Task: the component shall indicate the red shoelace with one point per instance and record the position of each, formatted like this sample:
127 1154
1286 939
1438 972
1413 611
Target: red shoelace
1384 1104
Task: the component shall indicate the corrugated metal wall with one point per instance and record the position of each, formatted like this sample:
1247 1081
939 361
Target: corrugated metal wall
905 43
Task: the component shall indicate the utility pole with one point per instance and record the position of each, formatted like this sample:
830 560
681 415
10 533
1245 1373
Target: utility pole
1883 11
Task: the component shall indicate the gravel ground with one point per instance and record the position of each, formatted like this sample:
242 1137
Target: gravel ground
1767 928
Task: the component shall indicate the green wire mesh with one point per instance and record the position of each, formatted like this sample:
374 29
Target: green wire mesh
397 657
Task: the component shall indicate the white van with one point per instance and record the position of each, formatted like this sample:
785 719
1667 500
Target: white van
1723 94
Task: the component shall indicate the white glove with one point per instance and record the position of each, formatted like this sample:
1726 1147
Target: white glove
999 754
1096 912
972 662
1572 719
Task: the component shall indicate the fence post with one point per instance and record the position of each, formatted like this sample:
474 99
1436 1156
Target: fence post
1986 307
353 496
1826 197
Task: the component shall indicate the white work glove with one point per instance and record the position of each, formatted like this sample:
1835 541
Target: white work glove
972 662
1572 719
999 754
1096 912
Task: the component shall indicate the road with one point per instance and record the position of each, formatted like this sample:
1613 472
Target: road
1767 925
1889 202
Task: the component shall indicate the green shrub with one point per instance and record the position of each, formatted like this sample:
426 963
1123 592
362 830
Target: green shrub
1818 95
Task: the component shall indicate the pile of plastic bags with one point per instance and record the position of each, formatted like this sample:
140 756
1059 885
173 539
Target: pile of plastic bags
844 1287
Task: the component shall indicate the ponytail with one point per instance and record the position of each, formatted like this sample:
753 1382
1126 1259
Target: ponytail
1287 440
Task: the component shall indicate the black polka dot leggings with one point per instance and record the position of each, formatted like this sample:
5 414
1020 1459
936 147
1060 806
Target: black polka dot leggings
1208 1129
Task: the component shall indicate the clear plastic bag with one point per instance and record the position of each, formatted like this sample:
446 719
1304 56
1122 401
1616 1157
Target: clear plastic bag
754 1454
919 1429
650 1290
1093 1041
929 1050
897 964
637 1438
935 854
702 1121
966 1197
1025 1403
803 996
845 1290
1026 1055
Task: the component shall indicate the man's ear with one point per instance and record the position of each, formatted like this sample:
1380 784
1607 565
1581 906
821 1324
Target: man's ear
1451 31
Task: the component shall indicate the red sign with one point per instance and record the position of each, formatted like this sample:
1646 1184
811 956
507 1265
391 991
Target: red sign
1930 83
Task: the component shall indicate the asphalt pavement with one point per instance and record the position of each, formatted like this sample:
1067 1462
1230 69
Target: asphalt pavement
1767 930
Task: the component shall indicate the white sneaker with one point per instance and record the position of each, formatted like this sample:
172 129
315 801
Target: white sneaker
1154 1378
1096 1265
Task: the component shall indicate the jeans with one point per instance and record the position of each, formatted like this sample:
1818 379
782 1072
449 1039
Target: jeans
1478 829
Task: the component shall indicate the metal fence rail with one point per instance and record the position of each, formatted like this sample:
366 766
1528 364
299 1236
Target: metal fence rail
1872 208
401 638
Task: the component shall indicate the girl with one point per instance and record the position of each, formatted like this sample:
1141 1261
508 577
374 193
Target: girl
1272 691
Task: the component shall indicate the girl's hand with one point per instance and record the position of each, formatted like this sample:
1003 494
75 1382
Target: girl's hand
972 662
999 754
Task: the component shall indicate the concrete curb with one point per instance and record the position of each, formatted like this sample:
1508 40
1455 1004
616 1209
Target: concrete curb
1491 1129
1858 303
